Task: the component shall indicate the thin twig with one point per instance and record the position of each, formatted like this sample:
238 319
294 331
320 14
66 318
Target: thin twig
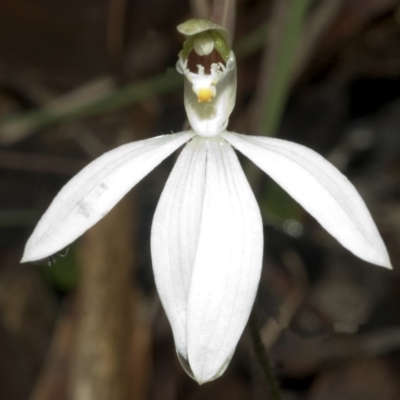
13 129
263 358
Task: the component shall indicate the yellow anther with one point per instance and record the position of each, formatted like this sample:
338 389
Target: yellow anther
205 95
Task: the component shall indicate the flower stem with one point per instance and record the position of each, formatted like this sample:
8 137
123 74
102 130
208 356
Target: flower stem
263 359
289 25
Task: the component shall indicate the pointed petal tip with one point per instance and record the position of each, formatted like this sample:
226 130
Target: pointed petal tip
206 372
380 259
200 371
387 264
24 259
30 256
34 252
200 382
199 378
208 375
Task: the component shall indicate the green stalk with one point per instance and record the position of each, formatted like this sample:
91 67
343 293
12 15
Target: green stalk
280 80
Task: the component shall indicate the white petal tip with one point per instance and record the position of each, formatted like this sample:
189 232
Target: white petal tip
381 260
35 253
203 373
24 259
202 379
29 257
383 265
200 382
386 265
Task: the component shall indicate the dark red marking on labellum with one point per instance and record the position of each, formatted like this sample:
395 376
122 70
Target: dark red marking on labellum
206 61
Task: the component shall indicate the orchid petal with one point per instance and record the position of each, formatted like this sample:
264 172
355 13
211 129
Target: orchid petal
94 191
227 266
321 189
174 236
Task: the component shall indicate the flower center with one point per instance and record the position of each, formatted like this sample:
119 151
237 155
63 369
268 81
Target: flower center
205 94
209 67
196 59
204 57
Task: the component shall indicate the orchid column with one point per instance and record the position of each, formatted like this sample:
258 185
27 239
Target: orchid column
207 238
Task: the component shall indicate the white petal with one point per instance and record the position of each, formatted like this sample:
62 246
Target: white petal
227 267
321 189
175 234
94 191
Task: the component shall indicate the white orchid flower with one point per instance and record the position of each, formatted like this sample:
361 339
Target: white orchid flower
207 236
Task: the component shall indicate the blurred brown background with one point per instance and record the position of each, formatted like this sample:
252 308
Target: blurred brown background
80 77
